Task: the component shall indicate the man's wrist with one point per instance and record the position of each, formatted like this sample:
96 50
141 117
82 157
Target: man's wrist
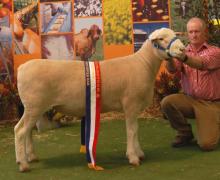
185 58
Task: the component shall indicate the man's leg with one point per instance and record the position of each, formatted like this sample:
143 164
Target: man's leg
207 124
178 107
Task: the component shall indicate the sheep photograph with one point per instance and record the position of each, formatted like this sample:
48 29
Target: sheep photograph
51 42
56 17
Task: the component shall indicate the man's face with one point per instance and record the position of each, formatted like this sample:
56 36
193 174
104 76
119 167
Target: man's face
196 33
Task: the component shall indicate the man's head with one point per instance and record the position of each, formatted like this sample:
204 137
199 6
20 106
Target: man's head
196 29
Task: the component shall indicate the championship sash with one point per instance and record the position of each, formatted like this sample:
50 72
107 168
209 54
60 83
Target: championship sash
91 122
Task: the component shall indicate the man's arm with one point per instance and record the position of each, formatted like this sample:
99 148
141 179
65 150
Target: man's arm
210 60
192 61
170 66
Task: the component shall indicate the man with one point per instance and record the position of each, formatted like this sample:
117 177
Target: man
199 67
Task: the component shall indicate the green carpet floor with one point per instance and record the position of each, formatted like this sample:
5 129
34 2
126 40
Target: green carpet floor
60 159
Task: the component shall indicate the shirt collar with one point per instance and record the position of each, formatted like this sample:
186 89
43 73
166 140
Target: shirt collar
205 45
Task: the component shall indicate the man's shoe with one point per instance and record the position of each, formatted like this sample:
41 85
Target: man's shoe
181 141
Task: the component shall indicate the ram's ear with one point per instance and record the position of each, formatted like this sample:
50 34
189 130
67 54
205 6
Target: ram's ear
154 35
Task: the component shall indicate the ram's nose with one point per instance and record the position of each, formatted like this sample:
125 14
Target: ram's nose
182 49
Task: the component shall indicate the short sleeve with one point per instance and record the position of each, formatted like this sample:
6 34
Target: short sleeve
211 58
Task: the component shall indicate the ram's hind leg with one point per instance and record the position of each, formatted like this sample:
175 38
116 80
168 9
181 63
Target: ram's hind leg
22 130
19 141
31 156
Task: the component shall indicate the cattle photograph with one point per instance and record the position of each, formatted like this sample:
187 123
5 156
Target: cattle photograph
88 39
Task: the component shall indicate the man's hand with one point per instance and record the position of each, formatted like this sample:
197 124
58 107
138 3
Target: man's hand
192 61
182 57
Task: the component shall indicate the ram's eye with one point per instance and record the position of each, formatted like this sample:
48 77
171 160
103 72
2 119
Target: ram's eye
160 39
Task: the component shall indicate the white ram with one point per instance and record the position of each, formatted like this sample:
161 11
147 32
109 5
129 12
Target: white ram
127 85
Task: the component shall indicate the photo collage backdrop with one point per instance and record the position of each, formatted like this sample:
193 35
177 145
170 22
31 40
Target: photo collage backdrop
55 29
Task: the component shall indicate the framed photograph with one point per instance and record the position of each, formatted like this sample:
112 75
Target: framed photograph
142 31
56 17
84 8
58 47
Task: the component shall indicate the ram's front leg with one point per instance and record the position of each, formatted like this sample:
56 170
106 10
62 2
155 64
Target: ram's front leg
134 152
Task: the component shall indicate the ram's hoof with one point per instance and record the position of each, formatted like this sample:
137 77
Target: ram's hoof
24 167
140 155
33 158
17 162
142 158
135 162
